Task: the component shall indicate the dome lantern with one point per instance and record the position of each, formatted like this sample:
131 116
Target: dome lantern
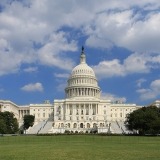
83 56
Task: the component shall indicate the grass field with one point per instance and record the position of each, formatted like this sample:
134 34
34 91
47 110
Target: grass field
79 147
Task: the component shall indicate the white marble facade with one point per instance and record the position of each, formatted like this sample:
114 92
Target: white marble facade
82 109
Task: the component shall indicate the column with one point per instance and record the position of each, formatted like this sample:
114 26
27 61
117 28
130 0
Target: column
66 109
90 109
79 108
95 109
84 111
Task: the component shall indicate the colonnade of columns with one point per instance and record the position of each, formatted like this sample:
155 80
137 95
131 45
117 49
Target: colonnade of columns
81 109
80 81
22 113
73 92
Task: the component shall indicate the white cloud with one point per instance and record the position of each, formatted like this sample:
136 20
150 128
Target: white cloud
6 65
33 87
134 31
52 53
113 97
135 63
152 92
98 42
31 69
24 25
107 69
21 28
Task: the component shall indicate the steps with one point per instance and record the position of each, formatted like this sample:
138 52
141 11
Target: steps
36 128
115 128
47 126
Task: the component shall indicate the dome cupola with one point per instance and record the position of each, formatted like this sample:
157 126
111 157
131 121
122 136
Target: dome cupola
82 81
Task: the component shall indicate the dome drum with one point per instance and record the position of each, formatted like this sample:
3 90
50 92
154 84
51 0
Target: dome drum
82 92
78 81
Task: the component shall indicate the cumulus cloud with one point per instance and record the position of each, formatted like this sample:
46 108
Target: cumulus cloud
107 69
52 52
113 97
134 31
135 63
33 87
31 32
152 92
28 37
98 42
31 69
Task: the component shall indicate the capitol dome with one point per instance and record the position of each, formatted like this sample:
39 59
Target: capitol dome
82 69
82 81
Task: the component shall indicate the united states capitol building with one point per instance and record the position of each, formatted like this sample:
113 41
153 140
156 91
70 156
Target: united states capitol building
82 110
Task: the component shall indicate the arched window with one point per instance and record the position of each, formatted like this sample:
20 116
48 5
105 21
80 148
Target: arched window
94 125
88 125
81 125
87 110
75 125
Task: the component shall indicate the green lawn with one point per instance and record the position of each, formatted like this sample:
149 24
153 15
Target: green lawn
79 147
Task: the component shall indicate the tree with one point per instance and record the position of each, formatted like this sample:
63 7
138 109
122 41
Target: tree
145 120
8 123
3 127
28 121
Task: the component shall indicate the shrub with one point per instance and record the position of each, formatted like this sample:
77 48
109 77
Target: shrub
67 132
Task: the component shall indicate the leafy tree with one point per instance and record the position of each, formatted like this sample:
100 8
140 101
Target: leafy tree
8 123
145 120
28 121
3 127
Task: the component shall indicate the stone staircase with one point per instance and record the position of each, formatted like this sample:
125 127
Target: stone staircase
47 126
123 127
36 128
115 127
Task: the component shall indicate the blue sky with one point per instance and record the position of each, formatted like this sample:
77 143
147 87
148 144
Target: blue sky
41 40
